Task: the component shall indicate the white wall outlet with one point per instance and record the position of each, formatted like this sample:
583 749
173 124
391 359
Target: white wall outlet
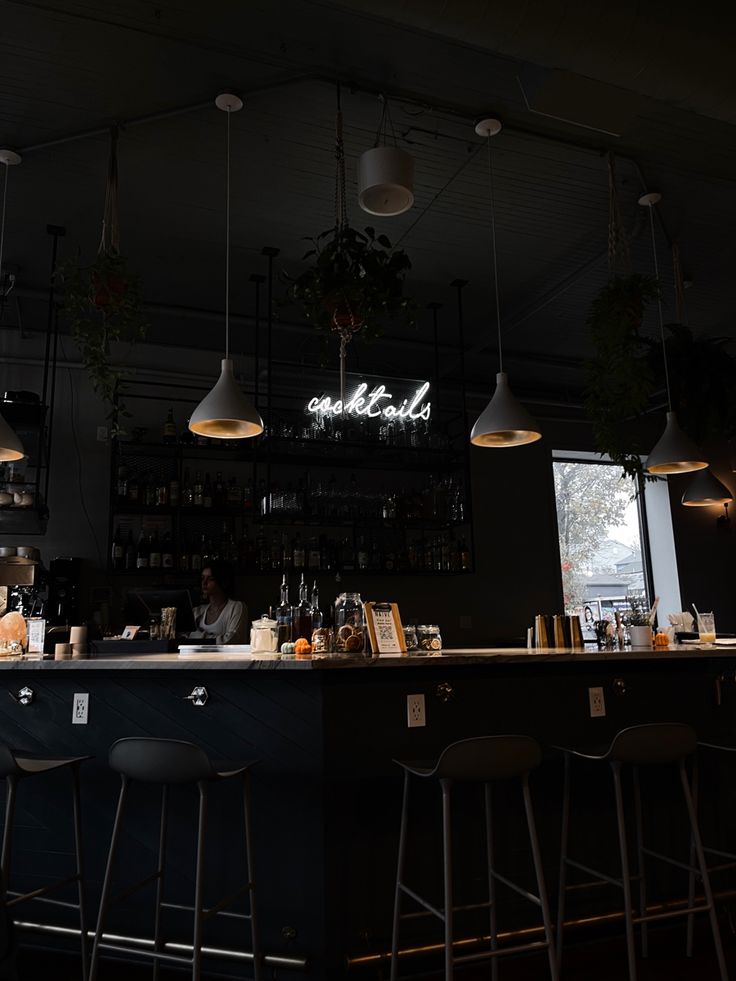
102 434
415 713
80 709
597 703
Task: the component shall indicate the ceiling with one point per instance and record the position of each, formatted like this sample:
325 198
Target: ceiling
69 68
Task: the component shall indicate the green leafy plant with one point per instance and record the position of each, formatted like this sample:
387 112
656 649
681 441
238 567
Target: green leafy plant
356 282
638 615
102 304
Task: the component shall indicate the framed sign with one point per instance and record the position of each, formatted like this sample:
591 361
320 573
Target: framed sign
36 634
130 632
384 629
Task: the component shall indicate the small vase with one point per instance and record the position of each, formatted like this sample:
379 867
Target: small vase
640 637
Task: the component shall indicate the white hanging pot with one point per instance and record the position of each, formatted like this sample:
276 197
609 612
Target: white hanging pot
386 181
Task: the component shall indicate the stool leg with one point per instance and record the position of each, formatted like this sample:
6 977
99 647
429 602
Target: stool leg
640 862
491 880
107 881
80 868
625 871
157 943
703 872
539 872
249 855
562 884
199 884
447 865
11 784
691 874
399 879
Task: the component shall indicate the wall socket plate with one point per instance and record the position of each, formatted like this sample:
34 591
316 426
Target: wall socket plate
80 708
597 703
415 711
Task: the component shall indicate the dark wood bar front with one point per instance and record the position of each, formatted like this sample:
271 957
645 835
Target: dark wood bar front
326 793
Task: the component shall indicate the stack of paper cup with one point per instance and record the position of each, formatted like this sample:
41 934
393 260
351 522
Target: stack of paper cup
78 642
62 652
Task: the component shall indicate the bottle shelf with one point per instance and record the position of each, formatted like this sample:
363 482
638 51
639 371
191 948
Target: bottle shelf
169 574
291 521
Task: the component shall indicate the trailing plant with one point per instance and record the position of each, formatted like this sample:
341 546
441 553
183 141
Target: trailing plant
102 300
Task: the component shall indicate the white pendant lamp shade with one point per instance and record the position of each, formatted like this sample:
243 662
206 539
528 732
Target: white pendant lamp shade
11 447
675 452
706 490
386 181
504 421
225 413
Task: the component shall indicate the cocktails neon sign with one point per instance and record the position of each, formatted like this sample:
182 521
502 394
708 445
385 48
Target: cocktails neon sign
377 404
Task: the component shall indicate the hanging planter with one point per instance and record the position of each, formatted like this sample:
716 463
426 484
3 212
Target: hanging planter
102 301
385 173
356 280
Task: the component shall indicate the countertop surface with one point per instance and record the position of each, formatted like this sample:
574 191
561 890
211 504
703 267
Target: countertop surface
451 657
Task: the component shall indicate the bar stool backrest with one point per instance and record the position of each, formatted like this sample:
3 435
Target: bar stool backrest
486 758
160 760
655 742
8 766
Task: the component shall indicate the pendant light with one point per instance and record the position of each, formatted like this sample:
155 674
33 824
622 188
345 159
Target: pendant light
504 421
706 490
226 413
675 452
11 447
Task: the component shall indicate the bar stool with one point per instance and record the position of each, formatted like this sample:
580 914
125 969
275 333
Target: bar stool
16 768
166 762
642 745
486 760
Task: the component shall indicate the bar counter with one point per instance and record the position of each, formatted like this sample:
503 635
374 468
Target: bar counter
326 793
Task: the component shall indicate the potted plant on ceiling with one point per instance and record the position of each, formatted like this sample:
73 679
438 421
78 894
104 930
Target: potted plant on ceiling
356 280
102 301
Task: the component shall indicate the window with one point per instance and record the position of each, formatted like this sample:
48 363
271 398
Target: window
603 551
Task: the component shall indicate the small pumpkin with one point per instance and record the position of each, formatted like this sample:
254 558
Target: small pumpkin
302 648
287 647
661 640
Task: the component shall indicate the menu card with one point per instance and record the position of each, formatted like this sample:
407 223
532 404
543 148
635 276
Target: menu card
384 629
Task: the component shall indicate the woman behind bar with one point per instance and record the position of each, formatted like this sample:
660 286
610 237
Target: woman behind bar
219 619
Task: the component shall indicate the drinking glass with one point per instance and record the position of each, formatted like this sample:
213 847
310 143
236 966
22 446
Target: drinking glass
706 628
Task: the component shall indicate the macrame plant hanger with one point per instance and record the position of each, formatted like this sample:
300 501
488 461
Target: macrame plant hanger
346 321
619 258
110 238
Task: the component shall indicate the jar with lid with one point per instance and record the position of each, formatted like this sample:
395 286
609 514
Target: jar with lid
349 624
411 640
430 640
264 636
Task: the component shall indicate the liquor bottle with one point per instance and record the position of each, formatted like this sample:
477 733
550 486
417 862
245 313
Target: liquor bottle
207 492
198 490
362 554
275 553
317 617
298 554
313 559
154 554
185 559
218 494
247 497
174 492
284 616
122 484
162 494
195 557
187 491
234 496
130 553
141 557
149 491
303 614
169 428
133 490
167 552
464 556
287 555
262 497
118 551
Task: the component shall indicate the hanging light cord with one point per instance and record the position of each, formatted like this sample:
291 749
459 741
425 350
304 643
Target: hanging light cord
659 307
2 225
227 243
493 248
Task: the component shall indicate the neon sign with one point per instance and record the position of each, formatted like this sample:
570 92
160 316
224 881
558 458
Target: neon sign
378 404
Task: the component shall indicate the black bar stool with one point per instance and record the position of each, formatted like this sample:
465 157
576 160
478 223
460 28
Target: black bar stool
166 762
16 768
643 745
485 759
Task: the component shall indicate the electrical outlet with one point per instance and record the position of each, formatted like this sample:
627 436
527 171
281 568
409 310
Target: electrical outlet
415 714
102 434
80 709
597 703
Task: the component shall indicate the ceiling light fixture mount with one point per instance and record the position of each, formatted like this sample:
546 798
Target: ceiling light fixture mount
504 421
675 452
225 413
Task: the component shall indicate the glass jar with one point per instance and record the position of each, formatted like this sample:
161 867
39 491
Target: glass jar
322 642
430 640
264 636
349 624
411 640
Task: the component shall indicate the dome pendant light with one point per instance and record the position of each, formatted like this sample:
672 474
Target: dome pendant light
675 452
504 421
226 413
11 447
706 490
